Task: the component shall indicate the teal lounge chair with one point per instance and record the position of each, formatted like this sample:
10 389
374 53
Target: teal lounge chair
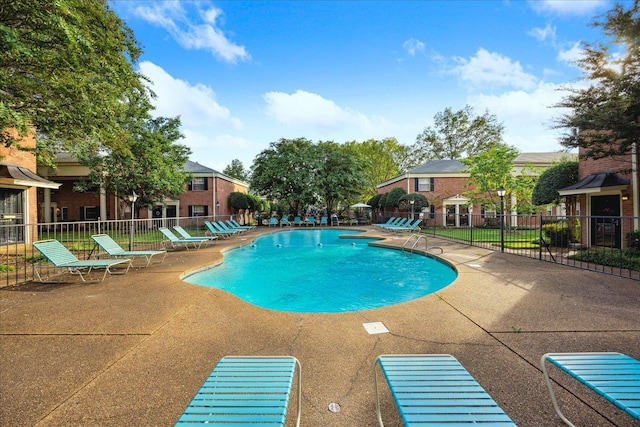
389 222
284 221
234 224
184 234
175 243
311 221
215 231
224 227
399 222
245 391
407 228
614 376
61 257
324 221
435 389
296 221
113 249
273 222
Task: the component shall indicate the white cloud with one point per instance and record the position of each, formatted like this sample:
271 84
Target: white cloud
571 55
196 104
567 7
205 35
527 116
548 33
413 46
492 69
309 110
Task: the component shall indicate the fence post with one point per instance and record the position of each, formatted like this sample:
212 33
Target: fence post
540 240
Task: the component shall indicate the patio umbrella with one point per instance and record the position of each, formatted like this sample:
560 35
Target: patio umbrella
360 205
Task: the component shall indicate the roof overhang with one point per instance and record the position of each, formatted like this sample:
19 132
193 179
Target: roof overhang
596 183
21 176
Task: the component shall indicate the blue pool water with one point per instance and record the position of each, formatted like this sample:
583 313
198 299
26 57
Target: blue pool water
315 271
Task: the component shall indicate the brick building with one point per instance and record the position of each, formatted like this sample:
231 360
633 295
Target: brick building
206 195
607 193
443 183
19 188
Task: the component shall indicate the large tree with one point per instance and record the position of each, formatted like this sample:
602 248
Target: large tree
339 174
489 170
545 190
151 163
383 159
284 173
604 117
65 71
236 169
456 135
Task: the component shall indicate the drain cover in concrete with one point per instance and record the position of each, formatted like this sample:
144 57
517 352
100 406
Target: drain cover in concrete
375 328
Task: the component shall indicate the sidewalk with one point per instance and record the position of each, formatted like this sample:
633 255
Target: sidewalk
134 349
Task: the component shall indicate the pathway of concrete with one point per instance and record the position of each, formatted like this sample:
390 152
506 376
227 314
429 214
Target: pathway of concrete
134 349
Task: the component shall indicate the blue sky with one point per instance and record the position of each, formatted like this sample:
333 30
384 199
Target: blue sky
242 74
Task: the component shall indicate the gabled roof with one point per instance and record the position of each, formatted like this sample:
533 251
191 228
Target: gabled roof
545 158
595 183
439 166
195 167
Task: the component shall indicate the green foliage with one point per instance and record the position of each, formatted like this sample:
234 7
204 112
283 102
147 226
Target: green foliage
419 202
383 159
339 176
456 135
393 197
611 257
66 70
557 234
557 176
633 242
236 170
6 268
257 203
607 112
298 173
238 200
489 170
150 163
374 202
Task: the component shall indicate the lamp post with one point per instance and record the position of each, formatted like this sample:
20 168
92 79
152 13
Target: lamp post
217 213
412 202
132 198
501 193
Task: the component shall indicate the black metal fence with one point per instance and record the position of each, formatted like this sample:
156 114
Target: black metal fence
608 245
18 257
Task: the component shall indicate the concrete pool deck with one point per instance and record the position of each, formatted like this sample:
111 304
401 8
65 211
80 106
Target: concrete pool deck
134 349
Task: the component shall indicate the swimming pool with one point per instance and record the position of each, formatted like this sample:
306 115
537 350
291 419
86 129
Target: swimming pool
316 271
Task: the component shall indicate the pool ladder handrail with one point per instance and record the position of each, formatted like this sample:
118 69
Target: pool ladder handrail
418 238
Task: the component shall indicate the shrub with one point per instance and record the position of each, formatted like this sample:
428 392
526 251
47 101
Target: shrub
557 233
633 242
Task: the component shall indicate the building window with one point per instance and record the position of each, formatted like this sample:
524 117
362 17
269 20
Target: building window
198 184
89 213
63 214
198 210
425 184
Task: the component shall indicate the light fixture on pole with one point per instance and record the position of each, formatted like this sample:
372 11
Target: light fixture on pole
412 202
217 213
132 198
501 192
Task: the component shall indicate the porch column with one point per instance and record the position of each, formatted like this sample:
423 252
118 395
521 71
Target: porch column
103 204
47 205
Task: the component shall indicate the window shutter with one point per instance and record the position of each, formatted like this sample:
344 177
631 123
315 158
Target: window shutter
206 210
206 184
432 184
416 187
190 210
190 188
